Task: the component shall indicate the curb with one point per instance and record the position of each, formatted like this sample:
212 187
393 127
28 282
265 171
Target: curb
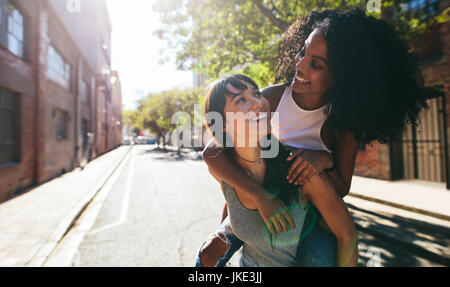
39 258
401 206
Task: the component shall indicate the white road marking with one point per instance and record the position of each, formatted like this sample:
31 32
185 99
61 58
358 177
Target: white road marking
126 199
64 253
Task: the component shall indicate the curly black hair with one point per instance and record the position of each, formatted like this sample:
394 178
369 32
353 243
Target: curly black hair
377 87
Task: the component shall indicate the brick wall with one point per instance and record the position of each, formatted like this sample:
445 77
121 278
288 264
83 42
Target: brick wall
42 155
373 161
18 75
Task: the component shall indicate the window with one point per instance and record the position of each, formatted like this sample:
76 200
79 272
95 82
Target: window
62 119
84 90
58 70
9 127
11 28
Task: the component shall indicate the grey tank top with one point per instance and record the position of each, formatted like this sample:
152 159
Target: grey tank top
261 248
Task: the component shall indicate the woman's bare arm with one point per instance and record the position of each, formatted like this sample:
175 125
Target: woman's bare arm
319 189
222 166
345 157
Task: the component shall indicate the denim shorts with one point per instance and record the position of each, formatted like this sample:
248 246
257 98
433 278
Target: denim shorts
318 247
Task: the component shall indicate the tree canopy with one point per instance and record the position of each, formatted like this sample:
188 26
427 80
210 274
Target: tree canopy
155 111
217 36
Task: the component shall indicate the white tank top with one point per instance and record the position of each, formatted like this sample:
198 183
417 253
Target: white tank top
296 127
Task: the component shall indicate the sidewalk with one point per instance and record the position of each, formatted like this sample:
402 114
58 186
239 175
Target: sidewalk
424 197
33 223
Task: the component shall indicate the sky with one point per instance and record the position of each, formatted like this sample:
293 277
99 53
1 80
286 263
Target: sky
136 52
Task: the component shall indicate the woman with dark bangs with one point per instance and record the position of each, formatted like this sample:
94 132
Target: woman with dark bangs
349 80
239 95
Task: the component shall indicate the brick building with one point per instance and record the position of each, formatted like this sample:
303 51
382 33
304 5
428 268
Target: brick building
422 153
90 26
116 120
49 94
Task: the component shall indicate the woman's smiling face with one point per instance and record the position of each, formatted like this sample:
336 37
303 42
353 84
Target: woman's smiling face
313 75
247 115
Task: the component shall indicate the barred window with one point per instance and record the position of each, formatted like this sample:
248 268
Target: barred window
58 70
9 127
11 28
62 120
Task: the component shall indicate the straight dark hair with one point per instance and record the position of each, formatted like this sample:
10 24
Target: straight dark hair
275 180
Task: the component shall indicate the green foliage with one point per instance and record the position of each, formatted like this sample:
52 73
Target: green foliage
217 36
156 110
417 27
225 36
129 117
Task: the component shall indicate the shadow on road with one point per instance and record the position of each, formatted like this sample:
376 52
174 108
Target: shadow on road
392 240
170 154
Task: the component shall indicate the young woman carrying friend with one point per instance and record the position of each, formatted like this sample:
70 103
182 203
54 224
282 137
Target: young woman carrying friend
239 94
358 66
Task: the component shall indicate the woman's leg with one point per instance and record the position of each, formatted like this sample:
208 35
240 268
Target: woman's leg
318 247
219 247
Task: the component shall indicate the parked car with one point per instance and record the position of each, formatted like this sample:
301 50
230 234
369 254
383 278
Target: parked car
127 140
151 141
141 140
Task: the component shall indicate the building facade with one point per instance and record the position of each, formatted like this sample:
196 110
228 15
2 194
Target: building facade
49 94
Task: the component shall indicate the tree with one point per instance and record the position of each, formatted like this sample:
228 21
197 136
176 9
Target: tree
156 110
217 36
417 26
129 119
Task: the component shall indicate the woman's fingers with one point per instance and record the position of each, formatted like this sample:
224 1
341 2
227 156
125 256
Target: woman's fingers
276 224
289 219
270 227
294 154
305 176
302 175
298 170
297 162
282 222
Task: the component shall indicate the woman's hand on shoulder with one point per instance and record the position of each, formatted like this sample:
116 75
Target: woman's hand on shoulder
274 213
307 163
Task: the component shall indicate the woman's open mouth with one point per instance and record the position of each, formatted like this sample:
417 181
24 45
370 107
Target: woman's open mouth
261 117
302 80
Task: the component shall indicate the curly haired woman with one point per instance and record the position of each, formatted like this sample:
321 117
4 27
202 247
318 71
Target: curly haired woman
354 69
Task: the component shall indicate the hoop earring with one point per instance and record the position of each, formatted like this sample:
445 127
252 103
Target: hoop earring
329 111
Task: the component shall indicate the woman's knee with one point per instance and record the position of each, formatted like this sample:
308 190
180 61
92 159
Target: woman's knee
212 251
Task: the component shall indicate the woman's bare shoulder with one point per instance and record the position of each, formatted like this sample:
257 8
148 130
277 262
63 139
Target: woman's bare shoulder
273 91
273 94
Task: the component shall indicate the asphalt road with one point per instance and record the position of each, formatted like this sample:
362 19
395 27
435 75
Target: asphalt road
161 208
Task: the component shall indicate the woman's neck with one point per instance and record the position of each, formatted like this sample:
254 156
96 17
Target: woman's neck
308 102
249 158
